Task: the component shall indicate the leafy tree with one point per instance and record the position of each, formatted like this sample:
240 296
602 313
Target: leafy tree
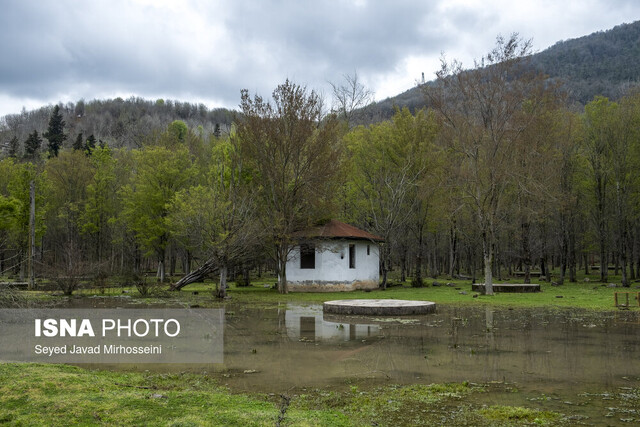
55 132
32 145
625 162
100 207
569 131
217 219
295 154
178 129
20 177
8 210
389 163
601 131
159 174
68 174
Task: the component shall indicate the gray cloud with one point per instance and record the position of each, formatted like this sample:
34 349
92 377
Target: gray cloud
207 51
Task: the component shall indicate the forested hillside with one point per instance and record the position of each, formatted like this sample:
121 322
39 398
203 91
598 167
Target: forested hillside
120 123
605 63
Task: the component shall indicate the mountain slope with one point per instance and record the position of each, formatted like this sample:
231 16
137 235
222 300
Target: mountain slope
603 63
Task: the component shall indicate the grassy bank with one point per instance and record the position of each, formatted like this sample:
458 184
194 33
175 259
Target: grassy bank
32 394
579 295
587 294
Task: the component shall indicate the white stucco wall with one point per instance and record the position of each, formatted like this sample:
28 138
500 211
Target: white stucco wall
332 270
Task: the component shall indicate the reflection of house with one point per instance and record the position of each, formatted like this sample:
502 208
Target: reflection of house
306 323
334 257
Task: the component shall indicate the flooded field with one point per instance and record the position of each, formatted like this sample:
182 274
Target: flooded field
570 361
298 346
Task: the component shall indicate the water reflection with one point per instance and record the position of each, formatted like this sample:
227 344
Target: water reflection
306 323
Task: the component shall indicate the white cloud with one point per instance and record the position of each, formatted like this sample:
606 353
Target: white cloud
207 51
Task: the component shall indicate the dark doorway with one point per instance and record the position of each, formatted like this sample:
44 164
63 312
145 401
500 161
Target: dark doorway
352 256
307 256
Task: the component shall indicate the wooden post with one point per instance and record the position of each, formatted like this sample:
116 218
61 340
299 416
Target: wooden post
32 234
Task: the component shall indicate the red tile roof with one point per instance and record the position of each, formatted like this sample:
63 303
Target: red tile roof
337 230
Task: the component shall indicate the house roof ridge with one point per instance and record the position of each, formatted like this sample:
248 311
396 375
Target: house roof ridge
335 229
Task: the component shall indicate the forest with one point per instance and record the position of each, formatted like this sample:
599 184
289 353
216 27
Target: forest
500 177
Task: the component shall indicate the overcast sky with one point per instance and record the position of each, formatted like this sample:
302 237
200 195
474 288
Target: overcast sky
206 51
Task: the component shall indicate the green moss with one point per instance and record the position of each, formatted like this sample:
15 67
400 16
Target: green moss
520 415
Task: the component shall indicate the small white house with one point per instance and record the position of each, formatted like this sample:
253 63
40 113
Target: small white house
334 257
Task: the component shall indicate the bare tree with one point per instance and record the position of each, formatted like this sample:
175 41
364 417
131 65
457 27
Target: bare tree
349 97
481 110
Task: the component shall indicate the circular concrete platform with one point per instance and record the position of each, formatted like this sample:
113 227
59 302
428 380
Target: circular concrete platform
379 307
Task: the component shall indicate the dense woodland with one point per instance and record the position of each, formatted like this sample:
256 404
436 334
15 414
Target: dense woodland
500 176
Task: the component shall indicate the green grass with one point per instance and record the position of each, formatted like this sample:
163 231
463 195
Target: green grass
588 295
38 394
33 394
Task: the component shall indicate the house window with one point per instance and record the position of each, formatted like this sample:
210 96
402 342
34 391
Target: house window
352 256
368 250
307 256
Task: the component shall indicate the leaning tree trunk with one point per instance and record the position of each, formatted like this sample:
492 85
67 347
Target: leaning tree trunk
197 275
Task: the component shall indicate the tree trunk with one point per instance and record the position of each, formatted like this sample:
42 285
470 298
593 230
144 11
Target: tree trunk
281 252
32 234
172 261
526 251
21 260
632 253
222 289
453 247
586 264
487 254
403 266
573 269
417 275
160 273
384 263
246 275
197 275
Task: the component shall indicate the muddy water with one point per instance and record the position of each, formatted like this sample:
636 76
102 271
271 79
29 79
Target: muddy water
297 346
572 361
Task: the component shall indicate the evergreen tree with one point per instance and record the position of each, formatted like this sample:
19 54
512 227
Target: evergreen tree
91 144
14 145
32 145
79 144
55 132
